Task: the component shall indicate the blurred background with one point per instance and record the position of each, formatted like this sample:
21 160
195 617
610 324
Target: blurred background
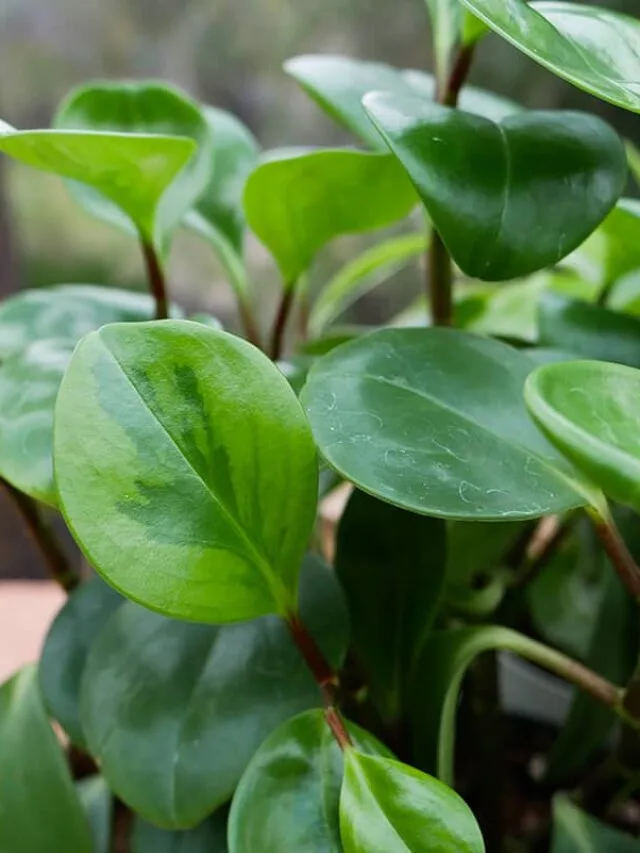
224 52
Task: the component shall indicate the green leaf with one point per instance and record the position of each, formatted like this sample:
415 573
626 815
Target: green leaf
391 564
218 215
29 384
446 24
361 275
66 648
208 837
67 311
338 84
589 409
149 159
288 798
589 331
175 711
184 448
633 156
39 809
625 296
621 243
508 311
389 807
97 802
591 47
574 831
405 415
481 214
297 202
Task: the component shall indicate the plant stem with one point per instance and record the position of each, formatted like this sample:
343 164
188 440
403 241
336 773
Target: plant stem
457 76
249 322
617 551
57 564
156 279
324 675
280 324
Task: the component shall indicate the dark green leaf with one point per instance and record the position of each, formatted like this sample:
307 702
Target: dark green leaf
338 84
65 651
589 409
39 809
158 159
389 807
391 564
482 213
97 802
297 202
288 798
208 837
591 47
574 831
405 415
175 711
184 449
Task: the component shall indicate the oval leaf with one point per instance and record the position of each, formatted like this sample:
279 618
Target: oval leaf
288 798
591 47
208 837
65 651
298 202
149 188
39 809
405 415
589 409
482 213
186 470
389 807
175 711
391 564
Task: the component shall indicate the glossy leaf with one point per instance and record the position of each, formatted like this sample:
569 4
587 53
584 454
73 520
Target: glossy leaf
591 47
589 331
186 447
389 807
297 202
288 798
97 802
67 311
405 415
574 831
483 213
361 275
29 384
589 409
158 165
39 809
208 837
218 215
175 711
66 648
391 564
338 84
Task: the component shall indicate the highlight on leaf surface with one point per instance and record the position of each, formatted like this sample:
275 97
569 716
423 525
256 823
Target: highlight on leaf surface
186 470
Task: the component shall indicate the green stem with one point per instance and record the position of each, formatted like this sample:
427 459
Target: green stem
617 551
156 279
55 559
280 323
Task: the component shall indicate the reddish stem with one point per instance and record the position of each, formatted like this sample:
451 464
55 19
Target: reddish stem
157 281
280 324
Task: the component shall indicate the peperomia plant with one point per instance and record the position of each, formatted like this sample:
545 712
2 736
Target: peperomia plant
234 673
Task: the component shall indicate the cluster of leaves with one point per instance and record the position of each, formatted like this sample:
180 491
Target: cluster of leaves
184 458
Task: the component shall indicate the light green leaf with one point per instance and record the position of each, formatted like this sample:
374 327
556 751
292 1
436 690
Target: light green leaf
574 831
391 564
633 156
389 807
39 809
589 409
481 214
478 457
508 311
97 802
588 330
338 84
298 202
288 798
184 448
208 837
625 296
361 275
175 711
446 24
591 47
65 651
